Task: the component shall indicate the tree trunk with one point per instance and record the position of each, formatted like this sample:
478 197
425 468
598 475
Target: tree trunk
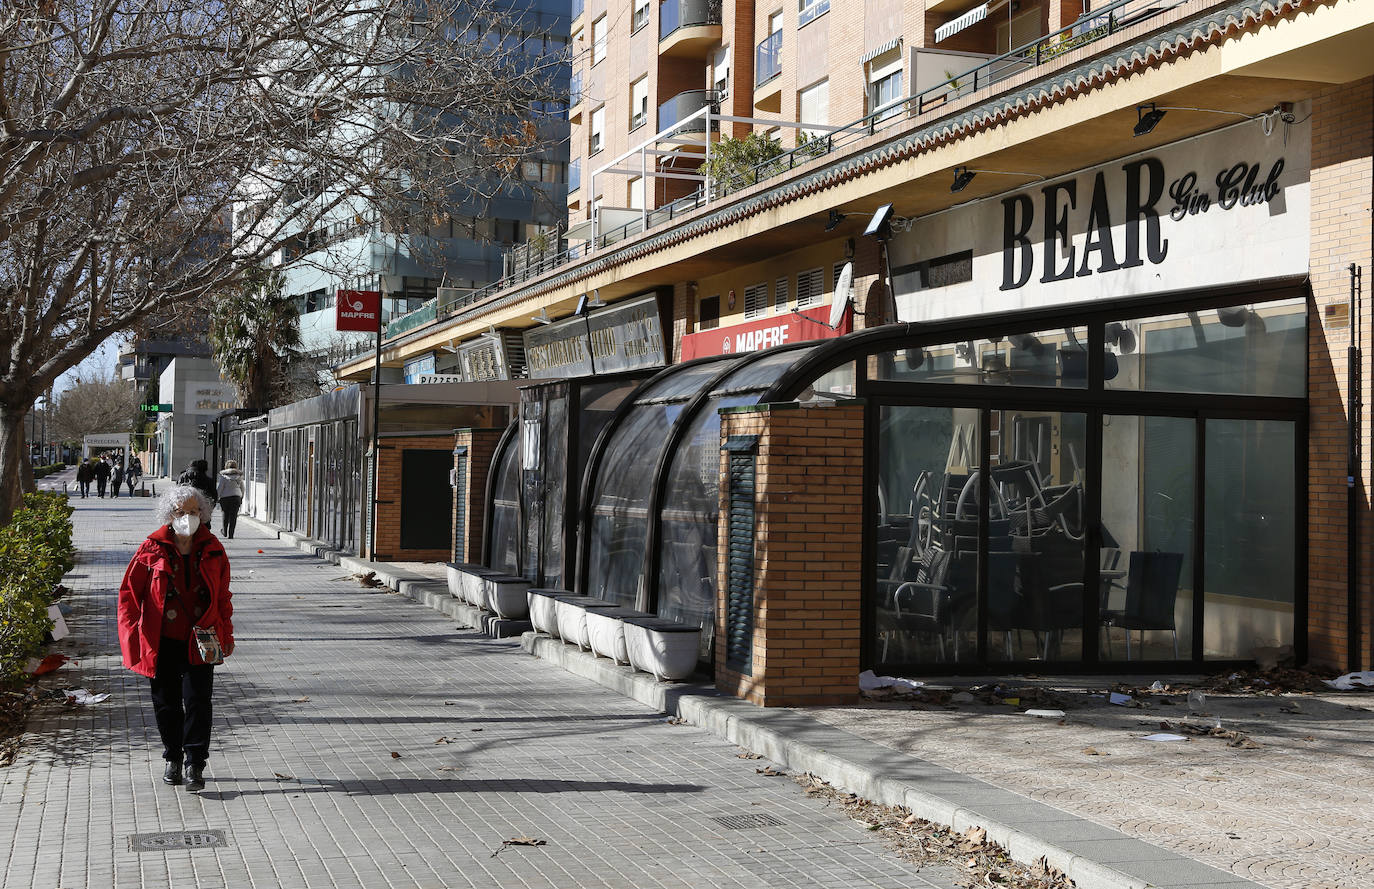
12 452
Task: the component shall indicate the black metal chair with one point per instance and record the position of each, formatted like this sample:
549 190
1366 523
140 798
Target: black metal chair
1151 593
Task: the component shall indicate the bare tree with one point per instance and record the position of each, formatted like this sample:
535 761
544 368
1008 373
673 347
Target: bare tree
153 152
93 406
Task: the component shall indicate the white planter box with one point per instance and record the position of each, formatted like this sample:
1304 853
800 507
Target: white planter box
572 614
606 633
542 605
461 575
507 595
662 647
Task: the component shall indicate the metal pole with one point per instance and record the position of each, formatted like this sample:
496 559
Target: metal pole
376 427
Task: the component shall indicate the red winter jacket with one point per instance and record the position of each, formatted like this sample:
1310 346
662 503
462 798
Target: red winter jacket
144 592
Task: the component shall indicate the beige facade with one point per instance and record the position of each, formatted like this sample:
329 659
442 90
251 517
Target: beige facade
1066 104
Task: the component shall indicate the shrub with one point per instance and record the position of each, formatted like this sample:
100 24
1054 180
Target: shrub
35 551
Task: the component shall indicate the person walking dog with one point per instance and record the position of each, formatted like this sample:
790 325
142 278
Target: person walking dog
175 623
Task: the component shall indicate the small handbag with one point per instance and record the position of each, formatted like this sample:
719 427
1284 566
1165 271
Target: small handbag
207 643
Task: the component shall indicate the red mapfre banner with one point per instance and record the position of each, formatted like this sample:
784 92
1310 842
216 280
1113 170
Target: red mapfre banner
794 327
358 310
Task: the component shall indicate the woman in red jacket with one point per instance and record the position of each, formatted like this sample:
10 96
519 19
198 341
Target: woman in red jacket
176 583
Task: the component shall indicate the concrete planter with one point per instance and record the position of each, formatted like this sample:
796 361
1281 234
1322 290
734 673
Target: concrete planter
542 605
507 595
572 614
606 632
665 648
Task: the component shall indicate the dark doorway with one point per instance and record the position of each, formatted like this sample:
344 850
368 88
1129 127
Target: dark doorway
427 499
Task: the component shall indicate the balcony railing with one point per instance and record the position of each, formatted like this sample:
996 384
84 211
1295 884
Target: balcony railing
684 105
1089 29
675 14
768 59
812 11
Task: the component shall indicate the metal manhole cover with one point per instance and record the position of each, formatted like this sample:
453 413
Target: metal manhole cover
176 839
741 822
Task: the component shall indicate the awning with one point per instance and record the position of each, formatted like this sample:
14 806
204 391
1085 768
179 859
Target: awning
885 48
612 218
967 20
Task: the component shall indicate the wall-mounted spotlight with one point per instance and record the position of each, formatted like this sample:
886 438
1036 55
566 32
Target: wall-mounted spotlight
542 317
880 229
595 301
963 176
833 220
1146 121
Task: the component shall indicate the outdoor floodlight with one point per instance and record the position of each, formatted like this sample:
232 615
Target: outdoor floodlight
962 177
1146 121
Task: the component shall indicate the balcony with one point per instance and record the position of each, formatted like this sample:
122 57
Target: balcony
812 11
574 175
767 67
688 28
684 105
577 7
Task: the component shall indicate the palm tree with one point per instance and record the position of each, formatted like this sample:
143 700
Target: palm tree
256 337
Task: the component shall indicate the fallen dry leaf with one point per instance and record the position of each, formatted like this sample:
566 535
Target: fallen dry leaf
300 700
395 755
747 755
281 777
443 740
1091 751
517 841
769 772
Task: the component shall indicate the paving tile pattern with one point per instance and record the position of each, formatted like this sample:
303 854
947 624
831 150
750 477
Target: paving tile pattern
1295 813
361 740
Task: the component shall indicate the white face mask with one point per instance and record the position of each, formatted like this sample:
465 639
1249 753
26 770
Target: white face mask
186 525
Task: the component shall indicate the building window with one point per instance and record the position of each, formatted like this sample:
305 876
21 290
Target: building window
885 85
810 10
756 301
637 193
708 313
599 40
641 15
780 295
720 72
598 128
813 106
639 103
810 288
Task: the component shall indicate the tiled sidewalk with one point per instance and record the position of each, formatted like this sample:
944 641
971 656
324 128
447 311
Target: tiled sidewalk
362 741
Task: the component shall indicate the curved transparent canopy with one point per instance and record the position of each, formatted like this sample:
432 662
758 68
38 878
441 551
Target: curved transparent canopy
619 525
504 552
687 530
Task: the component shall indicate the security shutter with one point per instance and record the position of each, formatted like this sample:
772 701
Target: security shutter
739 581
460 500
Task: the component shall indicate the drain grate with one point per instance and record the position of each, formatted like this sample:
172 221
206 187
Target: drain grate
176 839
743 822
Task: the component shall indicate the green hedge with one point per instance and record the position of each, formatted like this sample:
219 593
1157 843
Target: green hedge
41 471
35 551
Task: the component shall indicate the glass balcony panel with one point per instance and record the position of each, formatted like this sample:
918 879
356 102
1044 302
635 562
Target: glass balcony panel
768 59
674 14
684 105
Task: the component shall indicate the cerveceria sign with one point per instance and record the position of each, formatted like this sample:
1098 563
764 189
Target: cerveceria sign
625 336
1217 209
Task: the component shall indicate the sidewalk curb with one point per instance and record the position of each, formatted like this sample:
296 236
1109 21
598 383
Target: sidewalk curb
793 740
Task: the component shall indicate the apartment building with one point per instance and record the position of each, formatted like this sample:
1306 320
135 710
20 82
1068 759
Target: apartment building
1045 344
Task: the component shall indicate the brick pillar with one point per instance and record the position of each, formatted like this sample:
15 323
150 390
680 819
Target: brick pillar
1342 140
807 563
480 447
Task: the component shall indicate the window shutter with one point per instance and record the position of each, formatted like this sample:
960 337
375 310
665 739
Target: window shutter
756 300
810 288
780 295
739 578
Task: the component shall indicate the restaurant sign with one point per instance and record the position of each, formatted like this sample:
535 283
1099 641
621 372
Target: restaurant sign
798 326
484 359
1217 209
625 336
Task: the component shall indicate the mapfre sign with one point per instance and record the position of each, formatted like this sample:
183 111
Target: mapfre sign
752 336
358 310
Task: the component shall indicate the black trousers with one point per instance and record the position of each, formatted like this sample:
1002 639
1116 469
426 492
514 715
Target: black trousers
229 511
85 488
181 703
100 486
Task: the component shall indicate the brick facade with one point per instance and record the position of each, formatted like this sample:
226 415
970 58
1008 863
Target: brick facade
1342 142
807 555
389 503
481 450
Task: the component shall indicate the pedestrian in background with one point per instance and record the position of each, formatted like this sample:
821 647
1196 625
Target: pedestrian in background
133 472
102 475
197 475
85 474
177 583
117 476
230 491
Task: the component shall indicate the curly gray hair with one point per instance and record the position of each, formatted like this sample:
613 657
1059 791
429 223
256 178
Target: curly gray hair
176 496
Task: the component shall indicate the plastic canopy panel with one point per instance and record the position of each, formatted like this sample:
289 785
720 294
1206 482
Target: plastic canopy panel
505 510
555 493
625 480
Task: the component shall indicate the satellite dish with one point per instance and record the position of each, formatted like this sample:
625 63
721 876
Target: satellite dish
841 300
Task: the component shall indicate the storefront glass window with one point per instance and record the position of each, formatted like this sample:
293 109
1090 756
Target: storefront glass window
1249 569
1055 358
1149 467
1242 350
